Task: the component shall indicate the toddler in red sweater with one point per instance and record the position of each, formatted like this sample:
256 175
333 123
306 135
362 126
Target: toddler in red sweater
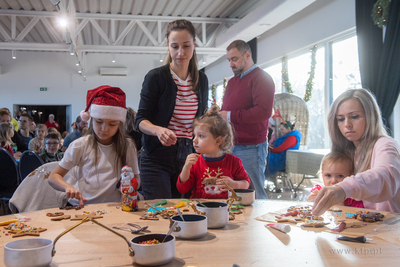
202 173
335 167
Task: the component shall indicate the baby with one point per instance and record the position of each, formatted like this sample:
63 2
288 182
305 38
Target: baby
335 167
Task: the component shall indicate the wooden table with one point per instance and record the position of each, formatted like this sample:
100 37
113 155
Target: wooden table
244 241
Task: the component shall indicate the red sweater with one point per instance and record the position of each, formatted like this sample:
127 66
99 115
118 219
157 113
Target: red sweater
8 147
290 141
250 100
230 166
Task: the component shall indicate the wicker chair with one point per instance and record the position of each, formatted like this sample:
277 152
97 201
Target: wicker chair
292 108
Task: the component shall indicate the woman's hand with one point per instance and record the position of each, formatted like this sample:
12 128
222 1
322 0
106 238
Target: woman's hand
166 136
72 192
326 198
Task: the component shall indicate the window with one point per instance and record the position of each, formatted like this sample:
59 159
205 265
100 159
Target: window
298 69
345 68
275 71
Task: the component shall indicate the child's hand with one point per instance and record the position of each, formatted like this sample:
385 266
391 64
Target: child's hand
311 197
72 192
222 186
191 159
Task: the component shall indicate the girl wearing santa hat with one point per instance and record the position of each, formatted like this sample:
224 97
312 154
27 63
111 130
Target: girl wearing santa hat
96 158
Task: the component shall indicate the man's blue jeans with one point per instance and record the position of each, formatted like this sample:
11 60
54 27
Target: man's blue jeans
254 159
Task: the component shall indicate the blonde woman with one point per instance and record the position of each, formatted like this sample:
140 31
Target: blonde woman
356 128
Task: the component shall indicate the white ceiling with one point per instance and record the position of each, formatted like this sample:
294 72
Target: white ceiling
136 26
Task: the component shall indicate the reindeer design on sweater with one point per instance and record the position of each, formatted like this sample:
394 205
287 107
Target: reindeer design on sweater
210 182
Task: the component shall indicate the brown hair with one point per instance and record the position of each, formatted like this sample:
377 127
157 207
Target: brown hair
5 137
180 25
129 124
240 45
120 145
64 134
53 135
27 115
217 127
41 126
4 111
337 156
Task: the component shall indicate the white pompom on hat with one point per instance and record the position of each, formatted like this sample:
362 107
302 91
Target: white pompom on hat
105 102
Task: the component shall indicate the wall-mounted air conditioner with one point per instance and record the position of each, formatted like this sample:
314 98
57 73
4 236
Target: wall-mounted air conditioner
113 71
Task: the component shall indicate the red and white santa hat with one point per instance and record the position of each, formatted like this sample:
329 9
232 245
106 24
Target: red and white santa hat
105 102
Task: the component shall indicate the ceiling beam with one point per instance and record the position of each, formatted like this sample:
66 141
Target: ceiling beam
102 48
27 13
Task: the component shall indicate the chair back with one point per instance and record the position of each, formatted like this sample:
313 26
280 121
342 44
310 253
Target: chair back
293 109
9 177
28 162
41 194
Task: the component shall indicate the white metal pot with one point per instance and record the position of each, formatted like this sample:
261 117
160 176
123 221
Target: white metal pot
248 196
216 212
36 252
194 226
156 254
31 252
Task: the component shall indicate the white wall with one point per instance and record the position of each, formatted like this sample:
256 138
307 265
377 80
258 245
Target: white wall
319 21
21 78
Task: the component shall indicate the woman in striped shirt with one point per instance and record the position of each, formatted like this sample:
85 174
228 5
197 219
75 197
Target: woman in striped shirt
171 97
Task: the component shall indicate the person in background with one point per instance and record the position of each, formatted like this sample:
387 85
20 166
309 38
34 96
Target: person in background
14 121
52 123
18 144
271 132
247 104
37 144
98 157
73 126
52 130
130 128
6 133
24 122
289 140
52 145
32 129
81 129
171 97
356 128
63 135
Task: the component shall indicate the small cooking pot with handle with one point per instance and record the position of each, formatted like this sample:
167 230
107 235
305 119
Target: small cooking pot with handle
194 226
248 196
216 212
37 252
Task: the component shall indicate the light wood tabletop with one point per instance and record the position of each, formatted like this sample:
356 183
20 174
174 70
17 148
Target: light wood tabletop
245 241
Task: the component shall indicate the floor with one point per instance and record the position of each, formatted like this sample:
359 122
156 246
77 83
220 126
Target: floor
285 193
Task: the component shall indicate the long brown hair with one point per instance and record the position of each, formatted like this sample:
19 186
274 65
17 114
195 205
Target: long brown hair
374 128
120 145
5 133
180 25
